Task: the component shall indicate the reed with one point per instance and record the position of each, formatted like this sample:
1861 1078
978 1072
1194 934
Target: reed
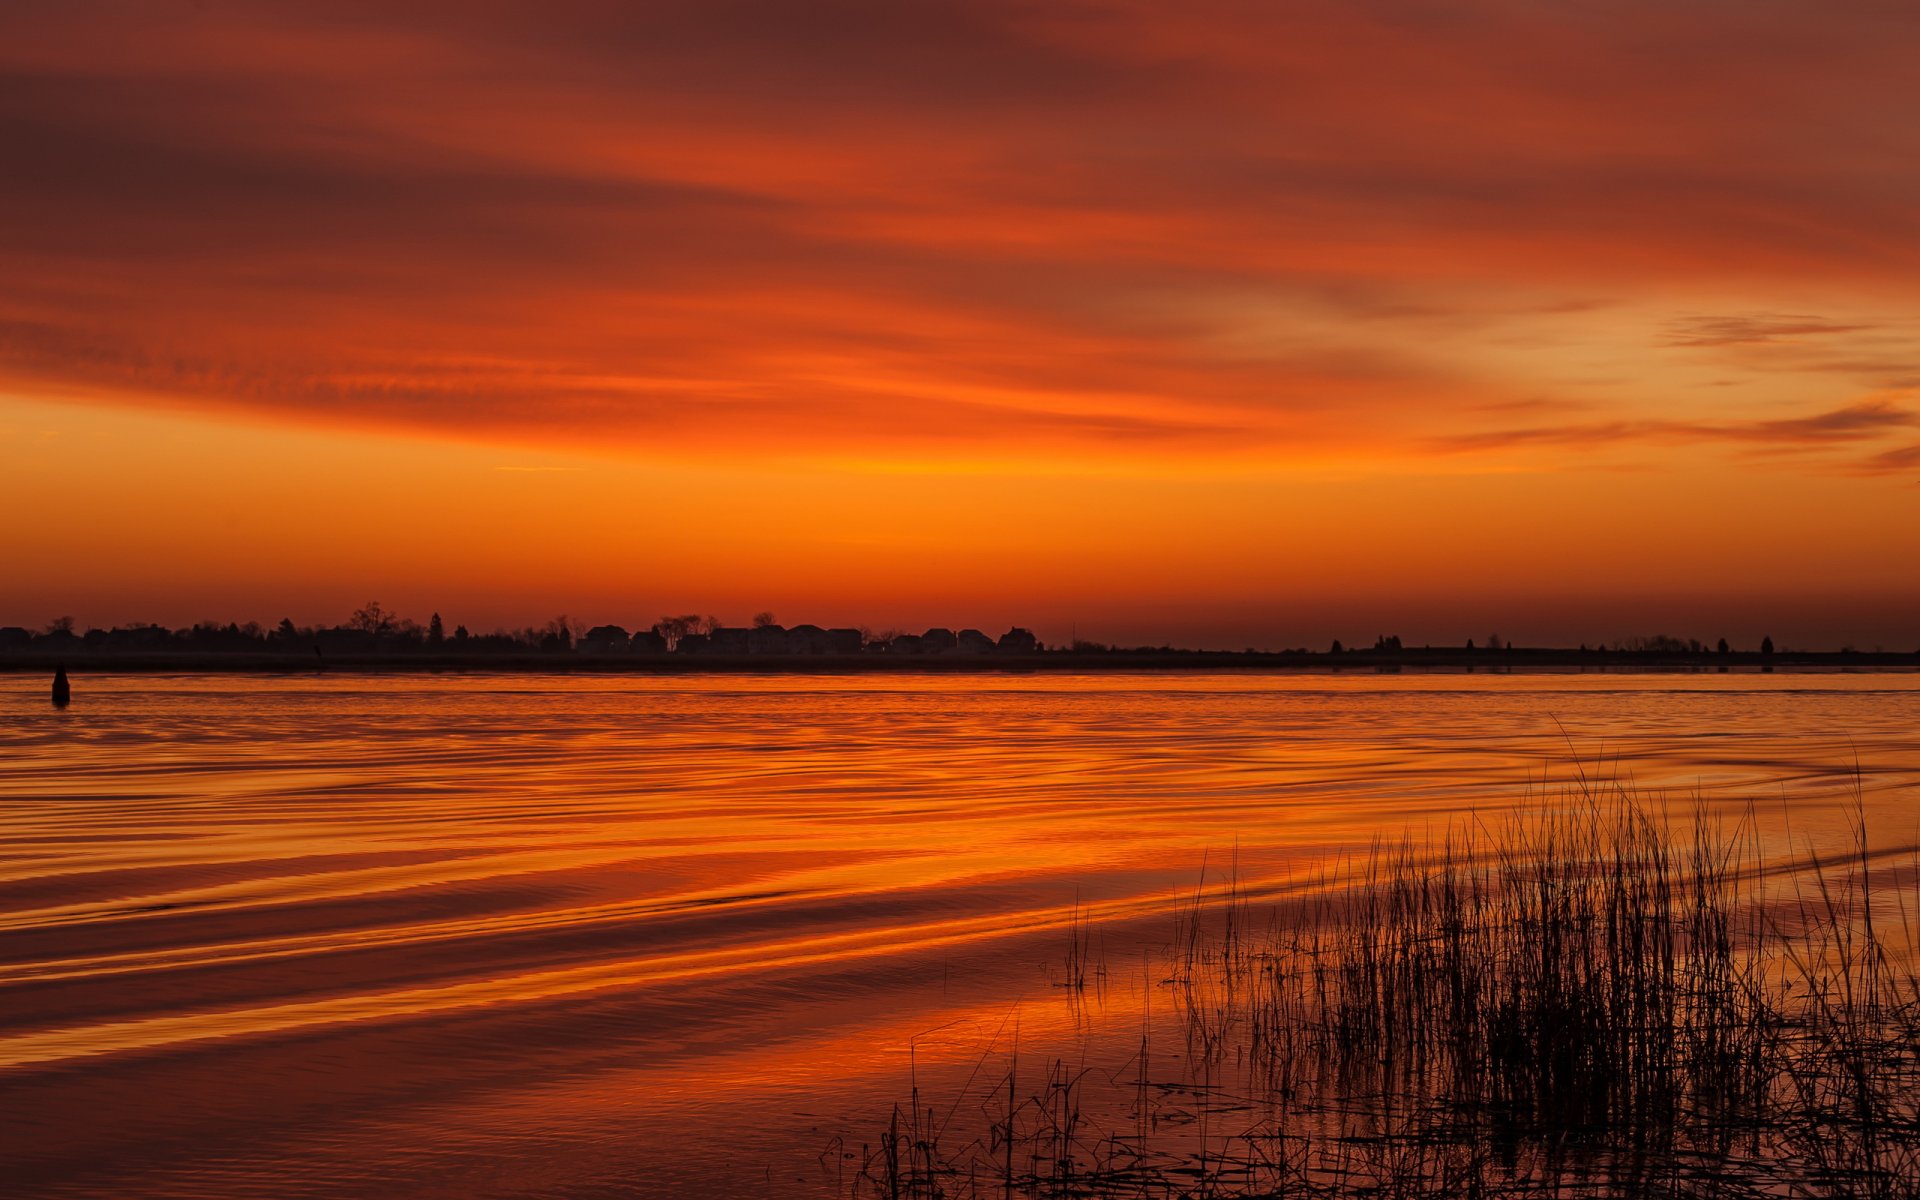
1591 999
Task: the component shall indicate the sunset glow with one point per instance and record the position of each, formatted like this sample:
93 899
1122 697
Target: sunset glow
1211 324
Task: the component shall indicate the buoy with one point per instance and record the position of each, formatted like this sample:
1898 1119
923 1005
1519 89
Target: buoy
62 690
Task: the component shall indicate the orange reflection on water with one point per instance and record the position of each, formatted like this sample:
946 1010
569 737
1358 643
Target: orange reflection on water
479 935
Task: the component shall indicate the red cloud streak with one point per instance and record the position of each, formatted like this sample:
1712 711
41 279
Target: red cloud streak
1059 227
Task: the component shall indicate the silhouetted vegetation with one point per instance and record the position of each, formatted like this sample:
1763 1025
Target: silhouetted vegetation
374 635
373 631
1587 1001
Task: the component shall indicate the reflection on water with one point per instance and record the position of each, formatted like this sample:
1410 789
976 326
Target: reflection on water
512 935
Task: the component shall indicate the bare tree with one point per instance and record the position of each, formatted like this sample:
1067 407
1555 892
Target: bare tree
762 620
372 619
686 625
672 629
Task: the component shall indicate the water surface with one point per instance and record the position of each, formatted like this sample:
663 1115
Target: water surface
522 935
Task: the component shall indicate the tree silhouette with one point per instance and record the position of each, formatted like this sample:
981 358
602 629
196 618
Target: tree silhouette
436 631
1766 645
372 619
672 629
763 620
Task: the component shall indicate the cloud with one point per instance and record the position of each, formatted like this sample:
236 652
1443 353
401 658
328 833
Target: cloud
1862 421
1533 404
1868 418
1754 330
1901 459
742 227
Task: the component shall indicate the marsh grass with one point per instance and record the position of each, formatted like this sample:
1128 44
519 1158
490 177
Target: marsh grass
1593 999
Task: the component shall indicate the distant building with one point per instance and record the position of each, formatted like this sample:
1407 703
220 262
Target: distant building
938 641
647 641
337 640
1018 641
811 640
140 637
605 639
843 641
972 641
769 639
729 639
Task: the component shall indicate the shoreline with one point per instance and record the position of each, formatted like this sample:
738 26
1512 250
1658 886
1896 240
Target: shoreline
1054 662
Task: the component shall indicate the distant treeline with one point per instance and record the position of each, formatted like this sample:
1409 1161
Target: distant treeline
375 631
374 634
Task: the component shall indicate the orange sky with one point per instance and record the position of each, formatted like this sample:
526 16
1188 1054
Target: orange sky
1217 324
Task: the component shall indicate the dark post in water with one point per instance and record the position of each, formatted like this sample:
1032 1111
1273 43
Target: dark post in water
62 690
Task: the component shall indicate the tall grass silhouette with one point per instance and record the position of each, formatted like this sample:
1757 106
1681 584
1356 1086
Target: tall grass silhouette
1590 999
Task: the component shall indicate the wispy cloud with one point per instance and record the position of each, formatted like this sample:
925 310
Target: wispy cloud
1900 460
1853 423
1867 419
1760 330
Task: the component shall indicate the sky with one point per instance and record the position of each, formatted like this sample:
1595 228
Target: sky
1215 324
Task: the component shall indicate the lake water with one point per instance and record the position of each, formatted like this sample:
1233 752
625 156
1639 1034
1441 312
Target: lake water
632 936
